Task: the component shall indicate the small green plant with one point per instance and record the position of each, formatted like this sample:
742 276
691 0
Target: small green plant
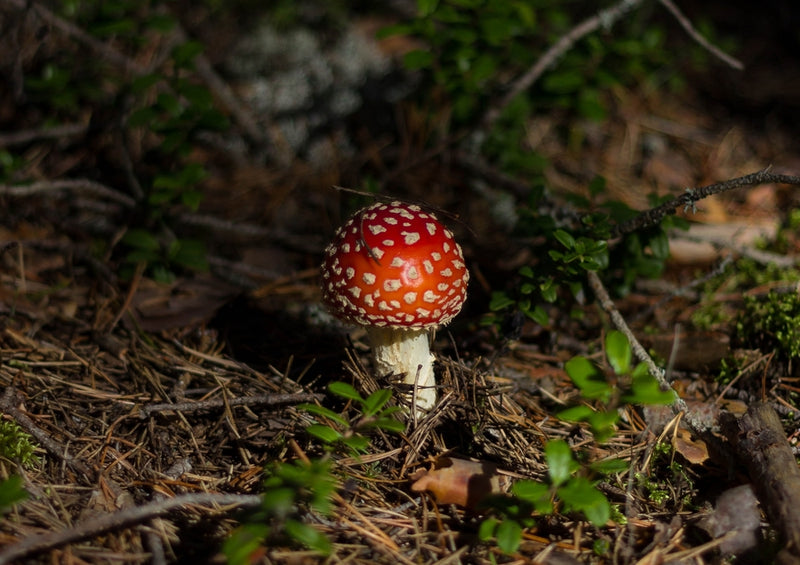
290 490
570 483
294 489
373 414
17 445
567 483
625 384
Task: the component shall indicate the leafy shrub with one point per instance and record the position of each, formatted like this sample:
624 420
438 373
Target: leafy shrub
570 484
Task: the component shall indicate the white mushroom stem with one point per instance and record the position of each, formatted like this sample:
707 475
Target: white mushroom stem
406 352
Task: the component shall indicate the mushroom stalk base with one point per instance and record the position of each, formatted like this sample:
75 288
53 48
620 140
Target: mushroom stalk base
406 352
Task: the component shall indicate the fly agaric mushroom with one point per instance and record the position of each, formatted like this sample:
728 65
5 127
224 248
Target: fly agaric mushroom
396 270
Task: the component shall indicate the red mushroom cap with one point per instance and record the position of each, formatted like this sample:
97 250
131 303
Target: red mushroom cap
394 265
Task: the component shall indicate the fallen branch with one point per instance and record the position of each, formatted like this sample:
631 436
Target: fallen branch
125 518
202 405
762 448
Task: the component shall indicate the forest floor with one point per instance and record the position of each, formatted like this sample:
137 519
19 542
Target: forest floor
157 408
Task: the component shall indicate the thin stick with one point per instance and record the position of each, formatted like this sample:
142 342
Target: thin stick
258 400
122 519
55 132
694 34
604 18
688 199
86 185
679 405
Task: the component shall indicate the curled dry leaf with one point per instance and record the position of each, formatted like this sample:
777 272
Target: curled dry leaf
459 481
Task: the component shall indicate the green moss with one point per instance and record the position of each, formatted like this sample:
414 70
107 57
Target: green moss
16 445
771 323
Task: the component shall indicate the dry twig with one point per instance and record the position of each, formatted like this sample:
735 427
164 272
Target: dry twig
688 199
125 518
203 405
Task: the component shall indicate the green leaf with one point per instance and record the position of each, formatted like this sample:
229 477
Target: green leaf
499 301
345 390
376 401
659 245
357 443
141 239
602 423
580 413
618 351
190 254
509 535
389 425
242 544
646 390
535 493
325 412
278 501
582 495
308 536
560 463
183 55
426 7
11 492
417 59
324 433
610 466
565 238
586 377
563 82
487 528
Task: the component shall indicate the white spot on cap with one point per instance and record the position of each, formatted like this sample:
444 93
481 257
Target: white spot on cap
458 264
436 256
375 229
345 248
446 273
369 301
355 291
423 312
395 304
428 266
388 242
391 221
430 297
431 227
391 285
397 262
446 247
441 287
410 237
368 278
350 272
383 306
410 297
377 252
412 273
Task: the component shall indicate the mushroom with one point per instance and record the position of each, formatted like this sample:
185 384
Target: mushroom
396 270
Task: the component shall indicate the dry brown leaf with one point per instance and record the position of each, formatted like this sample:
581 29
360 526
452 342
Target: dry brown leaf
694 451
459 481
